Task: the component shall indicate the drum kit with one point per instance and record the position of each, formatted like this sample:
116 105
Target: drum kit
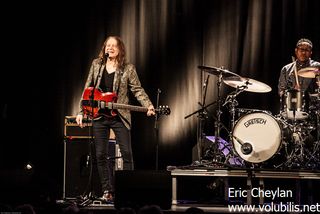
289 140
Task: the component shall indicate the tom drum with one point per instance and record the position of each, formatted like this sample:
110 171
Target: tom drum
294 105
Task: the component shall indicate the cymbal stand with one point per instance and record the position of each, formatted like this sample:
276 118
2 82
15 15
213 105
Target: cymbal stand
217 123
213 153
217 155
231 100
318 110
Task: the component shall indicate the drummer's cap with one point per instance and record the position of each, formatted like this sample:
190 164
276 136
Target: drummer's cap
304 41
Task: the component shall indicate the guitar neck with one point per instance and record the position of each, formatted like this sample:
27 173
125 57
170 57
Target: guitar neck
128 107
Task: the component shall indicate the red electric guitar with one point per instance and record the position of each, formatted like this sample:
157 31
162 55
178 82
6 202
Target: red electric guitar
105 104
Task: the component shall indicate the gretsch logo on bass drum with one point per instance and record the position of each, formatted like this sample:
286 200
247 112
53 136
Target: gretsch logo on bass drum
255 121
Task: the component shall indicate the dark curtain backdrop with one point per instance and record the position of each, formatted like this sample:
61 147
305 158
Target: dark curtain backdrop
49 48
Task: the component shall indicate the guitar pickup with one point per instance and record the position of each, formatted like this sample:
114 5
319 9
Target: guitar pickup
110 105
102 104
88 103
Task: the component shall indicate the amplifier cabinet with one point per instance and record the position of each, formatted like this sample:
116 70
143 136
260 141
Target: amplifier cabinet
72 130
77 165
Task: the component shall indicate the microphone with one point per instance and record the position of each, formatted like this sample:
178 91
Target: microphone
104 58
246 148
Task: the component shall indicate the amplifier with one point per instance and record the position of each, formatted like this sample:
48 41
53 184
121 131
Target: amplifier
72 130
77 162
76 152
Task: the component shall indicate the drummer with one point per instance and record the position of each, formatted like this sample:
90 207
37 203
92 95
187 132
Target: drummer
289 76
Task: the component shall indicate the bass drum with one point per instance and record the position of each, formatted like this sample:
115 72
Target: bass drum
257 137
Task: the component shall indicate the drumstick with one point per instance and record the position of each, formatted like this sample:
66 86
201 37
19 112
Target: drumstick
296 72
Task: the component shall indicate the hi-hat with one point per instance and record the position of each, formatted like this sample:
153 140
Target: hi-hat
248 84
309 72
217 71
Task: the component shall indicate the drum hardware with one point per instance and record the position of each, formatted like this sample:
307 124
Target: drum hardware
242 147
315 105
202 116
218 156
294 106
213 150
305 153
225 149
231 100
292 152
223 75
301 156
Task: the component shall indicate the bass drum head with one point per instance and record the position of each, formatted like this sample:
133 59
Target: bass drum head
260 130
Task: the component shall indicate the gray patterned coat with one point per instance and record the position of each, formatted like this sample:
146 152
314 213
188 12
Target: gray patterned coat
129 80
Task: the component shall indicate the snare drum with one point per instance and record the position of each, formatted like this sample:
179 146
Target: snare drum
242 111
294 105
261 132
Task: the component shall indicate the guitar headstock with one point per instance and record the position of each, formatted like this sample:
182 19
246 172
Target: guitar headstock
163 110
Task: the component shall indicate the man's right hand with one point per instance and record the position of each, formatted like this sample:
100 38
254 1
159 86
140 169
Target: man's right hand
79 120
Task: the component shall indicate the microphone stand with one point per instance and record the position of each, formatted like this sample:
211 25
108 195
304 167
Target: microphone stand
90 197
156 128
202 115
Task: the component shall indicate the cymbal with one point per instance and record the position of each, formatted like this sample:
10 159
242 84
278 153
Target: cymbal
249 84
217 71
309 72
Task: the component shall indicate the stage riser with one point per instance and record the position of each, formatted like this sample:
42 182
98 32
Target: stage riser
225 187
143 187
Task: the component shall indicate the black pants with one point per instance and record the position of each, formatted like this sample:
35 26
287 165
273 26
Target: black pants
101 131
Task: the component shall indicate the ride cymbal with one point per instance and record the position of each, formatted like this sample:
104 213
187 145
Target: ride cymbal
248 84
217 71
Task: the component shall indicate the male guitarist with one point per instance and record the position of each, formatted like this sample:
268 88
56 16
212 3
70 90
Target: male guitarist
111 73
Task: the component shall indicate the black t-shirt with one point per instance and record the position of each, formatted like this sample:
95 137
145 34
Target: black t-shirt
106 83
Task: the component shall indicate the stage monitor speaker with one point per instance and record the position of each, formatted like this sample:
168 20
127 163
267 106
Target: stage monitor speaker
138 188
77 162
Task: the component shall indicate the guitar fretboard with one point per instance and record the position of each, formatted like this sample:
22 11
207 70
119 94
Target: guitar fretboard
125 106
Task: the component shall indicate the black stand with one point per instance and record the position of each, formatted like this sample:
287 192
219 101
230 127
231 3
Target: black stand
89 196
156 129
318 110
202 115
213 152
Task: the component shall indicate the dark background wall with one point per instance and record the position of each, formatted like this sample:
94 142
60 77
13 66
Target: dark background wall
48 49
